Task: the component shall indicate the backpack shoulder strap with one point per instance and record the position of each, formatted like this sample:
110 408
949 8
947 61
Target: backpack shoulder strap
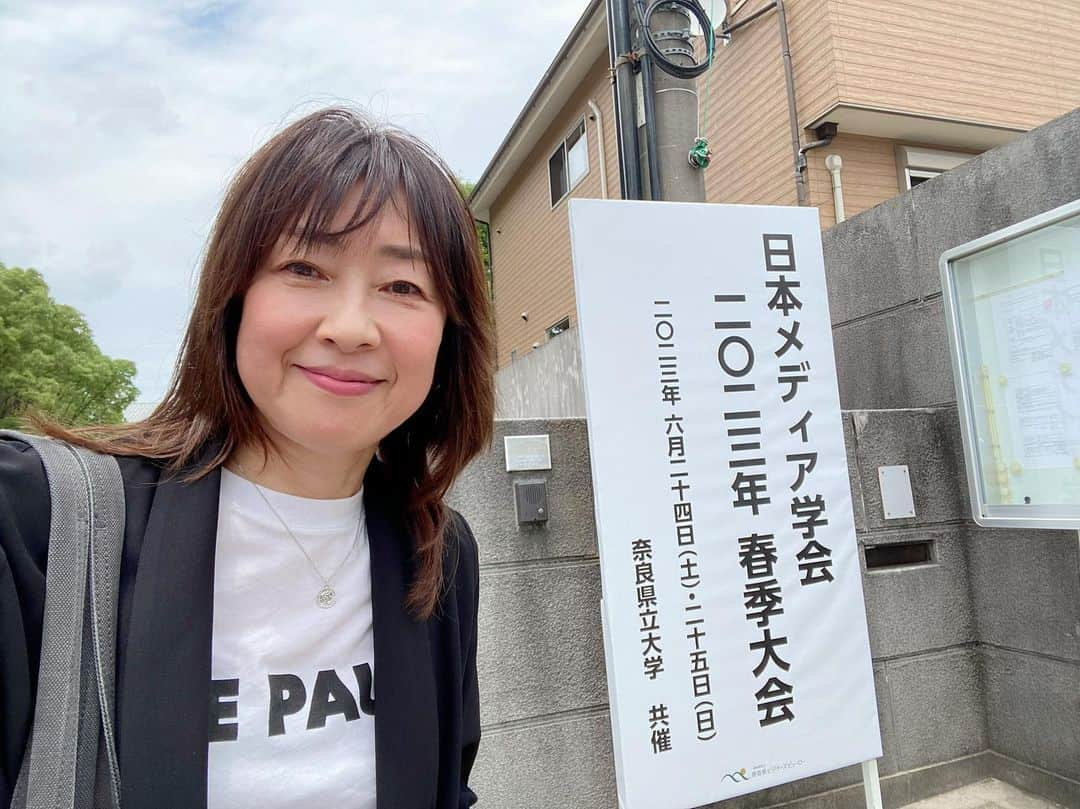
76 675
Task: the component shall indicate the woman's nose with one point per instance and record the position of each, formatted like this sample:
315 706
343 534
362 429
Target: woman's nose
350 323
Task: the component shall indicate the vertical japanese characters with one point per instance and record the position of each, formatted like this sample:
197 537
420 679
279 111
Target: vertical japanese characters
736 642
675 444
808 510
757 553
645 577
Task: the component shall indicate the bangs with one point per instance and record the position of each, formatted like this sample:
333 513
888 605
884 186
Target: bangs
305 185
324 173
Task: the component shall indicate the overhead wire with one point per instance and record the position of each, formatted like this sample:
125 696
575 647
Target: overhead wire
667 65
699 155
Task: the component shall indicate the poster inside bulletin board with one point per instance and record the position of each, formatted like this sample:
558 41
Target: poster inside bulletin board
1012 301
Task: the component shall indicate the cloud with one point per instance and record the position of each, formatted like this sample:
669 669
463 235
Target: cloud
124 121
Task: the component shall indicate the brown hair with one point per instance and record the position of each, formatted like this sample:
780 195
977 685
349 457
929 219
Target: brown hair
296 183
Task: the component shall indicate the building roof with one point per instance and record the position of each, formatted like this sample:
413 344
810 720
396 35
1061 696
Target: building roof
585 44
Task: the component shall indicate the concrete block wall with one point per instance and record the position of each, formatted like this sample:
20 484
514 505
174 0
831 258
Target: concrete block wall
977 650
921 617
1026 591
892 353
547 738
544 705
882 265
544 383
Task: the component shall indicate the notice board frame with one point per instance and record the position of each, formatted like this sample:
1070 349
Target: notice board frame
1019 515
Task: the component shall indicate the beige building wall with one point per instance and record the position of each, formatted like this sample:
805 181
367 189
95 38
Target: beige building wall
530 240
747 121
1013 65
967 60
869 175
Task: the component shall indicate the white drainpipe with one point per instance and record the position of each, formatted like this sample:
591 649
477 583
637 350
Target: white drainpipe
600 145
833 163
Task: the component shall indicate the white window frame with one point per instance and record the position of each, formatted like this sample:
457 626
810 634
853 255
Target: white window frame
570 186
920 174
918 161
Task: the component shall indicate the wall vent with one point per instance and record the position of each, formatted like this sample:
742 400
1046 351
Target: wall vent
899 554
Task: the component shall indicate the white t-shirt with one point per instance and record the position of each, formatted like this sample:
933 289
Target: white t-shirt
292 699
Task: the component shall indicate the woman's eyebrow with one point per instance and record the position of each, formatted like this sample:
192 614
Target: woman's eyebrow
406 252
315 242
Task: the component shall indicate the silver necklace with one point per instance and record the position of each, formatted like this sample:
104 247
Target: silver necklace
327 596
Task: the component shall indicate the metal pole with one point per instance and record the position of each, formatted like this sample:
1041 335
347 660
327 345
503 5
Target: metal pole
622 79
871 784
652 159
793 113
676 104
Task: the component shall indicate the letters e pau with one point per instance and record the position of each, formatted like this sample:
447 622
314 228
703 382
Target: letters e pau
288 696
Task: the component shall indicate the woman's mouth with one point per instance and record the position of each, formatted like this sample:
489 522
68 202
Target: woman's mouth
340 382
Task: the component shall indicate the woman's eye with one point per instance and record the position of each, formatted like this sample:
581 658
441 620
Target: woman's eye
301 270
404 288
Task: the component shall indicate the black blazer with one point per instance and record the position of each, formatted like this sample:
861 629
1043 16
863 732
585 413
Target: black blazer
427 718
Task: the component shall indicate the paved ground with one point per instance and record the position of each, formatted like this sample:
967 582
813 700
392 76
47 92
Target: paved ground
988 794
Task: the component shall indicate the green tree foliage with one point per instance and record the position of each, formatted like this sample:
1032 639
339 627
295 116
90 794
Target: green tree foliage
483 232
49 361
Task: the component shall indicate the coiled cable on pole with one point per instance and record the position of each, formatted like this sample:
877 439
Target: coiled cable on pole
645 14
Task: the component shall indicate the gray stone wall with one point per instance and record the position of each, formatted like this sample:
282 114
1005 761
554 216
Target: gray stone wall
976 653
892 352
1026 590
882 265
544 705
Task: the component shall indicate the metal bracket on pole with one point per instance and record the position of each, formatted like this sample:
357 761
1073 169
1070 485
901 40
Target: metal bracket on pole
871 784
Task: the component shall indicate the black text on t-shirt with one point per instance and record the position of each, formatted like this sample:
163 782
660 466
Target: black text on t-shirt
288 695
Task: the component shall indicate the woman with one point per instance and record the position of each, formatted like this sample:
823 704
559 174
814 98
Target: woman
297 607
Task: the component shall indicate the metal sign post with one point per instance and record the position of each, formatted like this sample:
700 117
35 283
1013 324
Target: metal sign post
871 785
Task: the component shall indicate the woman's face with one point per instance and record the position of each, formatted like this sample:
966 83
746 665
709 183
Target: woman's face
337 344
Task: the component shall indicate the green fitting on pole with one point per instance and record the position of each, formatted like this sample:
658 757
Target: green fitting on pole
700 155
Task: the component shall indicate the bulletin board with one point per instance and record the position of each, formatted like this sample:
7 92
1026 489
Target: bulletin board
1012 303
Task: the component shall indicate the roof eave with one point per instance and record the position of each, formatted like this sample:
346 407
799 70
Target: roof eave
587 40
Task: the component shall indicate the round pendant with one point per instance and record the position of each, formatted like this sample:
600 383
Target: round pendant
326 597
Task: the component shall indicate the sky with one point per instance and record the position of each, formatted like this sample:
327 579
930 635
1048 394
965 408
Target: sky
123 122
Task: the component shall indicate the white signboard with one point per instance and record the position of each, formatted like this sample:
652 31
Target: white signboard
735 630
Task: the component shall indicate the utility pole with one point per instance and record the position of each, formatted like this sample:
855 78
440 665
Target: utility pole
675 105
663 53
